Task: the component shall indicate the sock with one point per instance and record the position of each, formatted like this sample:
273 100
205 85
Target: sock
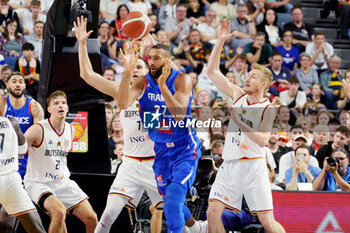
114 206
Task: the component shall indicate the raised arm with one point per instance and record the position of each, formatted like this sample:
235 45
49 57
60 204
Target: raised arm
127 95
177 103
213 68
86 72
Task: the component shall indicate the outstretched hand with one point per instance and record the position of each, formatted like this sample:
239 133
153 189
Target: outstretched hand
224 32
80 29
130 56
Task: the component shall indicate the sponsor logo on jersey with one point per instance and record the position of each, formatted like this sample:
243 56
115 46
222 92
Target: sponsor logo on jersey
159 178
4 162
137 139
131 114
54 153
118 188
53 176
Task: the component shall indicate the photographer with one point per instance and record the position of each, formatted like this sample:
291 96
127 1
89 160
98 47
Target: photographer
335 175
301 172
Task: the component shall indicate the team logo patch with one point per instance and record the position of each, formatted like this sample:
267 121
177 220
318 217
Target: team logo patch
59 143
66 143
159 178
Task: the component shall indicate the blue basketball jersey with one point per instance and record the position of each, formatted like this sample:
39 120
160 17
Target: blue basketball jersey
23 114
25 120
157 118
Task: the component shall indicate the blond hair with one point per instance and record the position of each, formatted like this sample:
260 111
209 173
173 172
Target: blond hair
267 74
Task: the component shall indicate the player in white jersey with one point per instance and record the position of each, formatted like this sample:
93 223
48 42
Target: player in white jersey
12 194
47 178
135 174
243 171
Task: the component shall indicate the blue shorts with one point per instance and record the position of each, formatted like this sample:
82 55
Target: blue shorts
176 162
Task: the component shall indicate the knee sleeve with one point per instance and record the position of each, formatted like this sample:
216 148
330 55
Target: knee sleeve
114 206
174 207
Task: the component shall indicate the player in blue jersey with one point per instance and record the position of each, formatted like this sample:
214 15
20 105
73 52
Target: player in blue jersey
177 148
26 110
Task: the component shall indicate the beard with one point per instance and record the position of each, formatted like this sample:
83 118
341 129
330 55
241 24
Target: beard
14 94
156 73
250 90
272 141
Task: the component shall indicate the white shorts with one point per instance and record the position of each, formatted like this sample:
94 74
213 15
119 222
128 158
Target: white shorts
66 190
13 196
236 178
133 178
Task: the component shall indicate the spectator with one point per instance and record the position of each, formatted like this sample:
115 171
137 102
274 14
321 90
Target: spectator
194 13
11 43
283 117
6 13
21 7
323 117
303 32
301 172
333 124
334 177
5 73
256 10
243 28
321 137
29 18
116 132
345 103
224 10
287 160
167 13
283 6
109 110
208 29
239 69
30 68
162 37
117 158
108 44
273 33
108 9
258 51
140 5
295 131
305 123
276 150
306 74
46 5
320 51
179 26
331 81
281 74
117 24
289 52
344 118
317 97
340 139
109 73
36 39
203 98
155 25
344 20
293 98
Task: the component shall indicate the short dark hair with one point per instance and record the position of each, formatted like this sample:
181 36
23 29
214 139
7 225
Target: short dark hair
144 61
217 137
302 146
108 68
260 34
161 46
15 73
36 22
27 46
218 143
296 7
344 130
296 127
293 79
276 53
319 33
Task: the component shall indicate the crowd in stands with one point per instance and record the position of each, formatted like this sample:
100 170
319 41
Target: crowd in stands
309 90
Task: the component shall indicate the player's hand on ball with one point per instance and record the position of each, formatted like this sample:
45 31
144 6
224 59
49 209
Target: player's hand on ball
80 29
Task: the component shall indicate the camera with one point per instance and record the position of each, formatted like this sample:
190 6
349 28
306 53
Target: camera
332 161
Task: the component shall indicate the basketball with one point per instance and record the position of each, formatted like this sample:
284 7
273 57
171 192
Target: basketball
79 130
136 25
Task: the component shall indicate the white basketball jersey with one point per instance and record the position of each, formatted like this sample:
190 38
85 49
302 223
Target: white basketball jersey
8 147
136 140
47 162
237 144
